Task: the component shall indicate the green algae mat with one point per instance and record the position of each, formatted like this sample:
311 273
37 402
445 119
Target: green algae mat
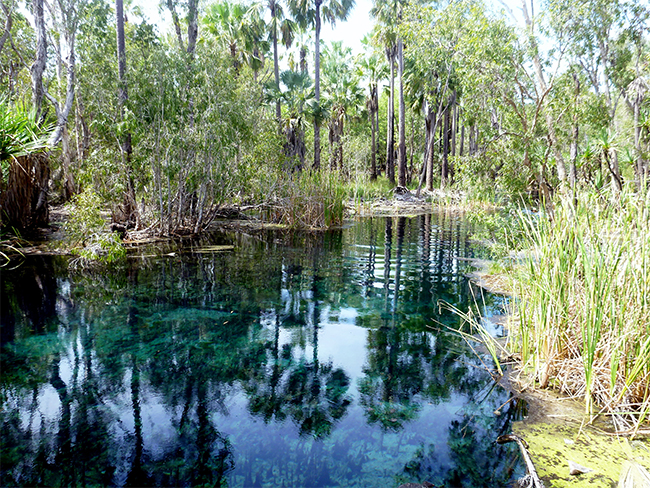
553 445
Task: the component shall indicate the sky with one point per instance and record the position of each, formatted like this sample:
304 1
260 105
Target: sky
350 32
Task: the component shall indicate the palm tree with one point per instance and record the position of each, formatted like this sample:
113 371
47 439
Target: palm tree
372 70
241 29
306 13
385 36
343 93
295 91
279 25
389 14
25 168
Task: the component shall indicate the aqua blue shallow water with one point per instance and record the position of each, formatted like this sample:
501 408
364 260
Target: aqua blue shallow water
280 360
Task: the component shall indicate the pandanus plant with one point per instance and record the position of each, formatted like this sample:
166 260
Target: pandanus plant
25 170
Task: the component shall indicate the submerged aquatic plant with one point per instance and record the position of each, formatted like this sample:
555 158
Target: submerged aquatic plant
584 303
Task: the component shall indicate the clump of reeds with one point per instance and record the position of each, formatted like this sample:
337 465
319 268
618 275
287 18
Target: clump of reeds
583 303
311 200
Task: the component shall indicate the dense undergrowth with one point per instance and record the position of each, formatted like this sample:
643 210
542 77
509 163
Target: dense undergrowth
583 303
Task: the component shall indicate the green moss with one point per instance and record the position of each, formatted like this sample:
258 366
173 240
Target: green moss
552 446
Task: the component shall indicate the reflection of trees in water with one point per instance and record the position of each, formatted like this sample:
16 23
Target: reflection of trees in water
185 333
312 394
478 461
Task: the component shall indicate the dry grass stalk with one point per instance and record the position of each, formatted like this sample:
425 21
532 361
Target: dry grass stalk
584 304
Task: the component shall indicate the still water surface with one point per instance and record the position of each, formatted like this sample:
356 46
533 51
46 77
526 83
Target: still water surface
268 360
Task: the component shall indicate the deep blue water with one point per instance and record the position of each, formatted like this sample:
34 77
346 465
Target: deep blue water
274 359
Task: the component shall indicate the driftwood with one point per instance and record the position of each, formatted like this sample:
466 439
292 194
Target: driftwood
531 480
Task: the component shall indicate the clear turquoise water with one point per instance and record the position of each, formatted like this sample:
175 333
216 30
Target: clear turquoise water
285 360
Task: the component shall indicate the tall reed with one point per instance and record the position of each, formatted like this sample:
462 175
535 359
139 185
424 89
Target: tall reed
583 303
311 200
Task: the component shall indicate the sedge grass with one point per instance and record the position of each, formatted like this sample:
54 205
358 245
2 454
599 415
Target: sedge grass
311 200
583 303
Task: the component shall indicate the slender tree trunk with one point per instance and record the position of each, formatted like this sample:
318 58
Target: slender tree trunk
69 21
444 180
276 64
390 126
462 140
559 159
317 88
373 128
192 26
401 160
429 165
573 171
454 127
177 24
130 209
9 14
38 67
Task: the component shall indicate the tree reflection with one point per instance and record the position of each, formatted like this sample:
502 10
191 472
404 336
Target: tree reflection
392 378
312 394
137 385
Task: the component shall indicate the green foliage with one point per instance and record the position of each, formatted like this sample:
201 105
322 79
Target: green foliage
497 227
20 133
85 218
583 302
86 234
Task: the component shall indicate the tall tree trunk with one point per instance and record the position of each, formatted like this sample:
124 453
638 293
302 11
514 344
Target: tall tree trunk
276 64
38 67
192 26
401 160
454 125
462 140
573 171
176 22
130 209
431 138
317 88
390 125
559 159
373 106
444 173
9 14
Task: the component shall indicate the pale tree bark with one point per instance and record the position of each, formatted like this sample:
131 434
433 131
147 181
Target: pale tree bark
638 88
390 124
129 206
276 64
544 89
401 153
573 171
8 11
70 12
177 24
40 60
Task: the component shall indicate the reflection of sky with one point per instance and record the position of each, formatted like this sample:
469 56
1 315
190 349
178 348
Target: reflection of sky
339 342
342 342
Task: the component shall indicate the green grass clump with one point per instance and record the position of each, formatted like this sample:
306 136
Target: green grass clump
584 303
310 200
